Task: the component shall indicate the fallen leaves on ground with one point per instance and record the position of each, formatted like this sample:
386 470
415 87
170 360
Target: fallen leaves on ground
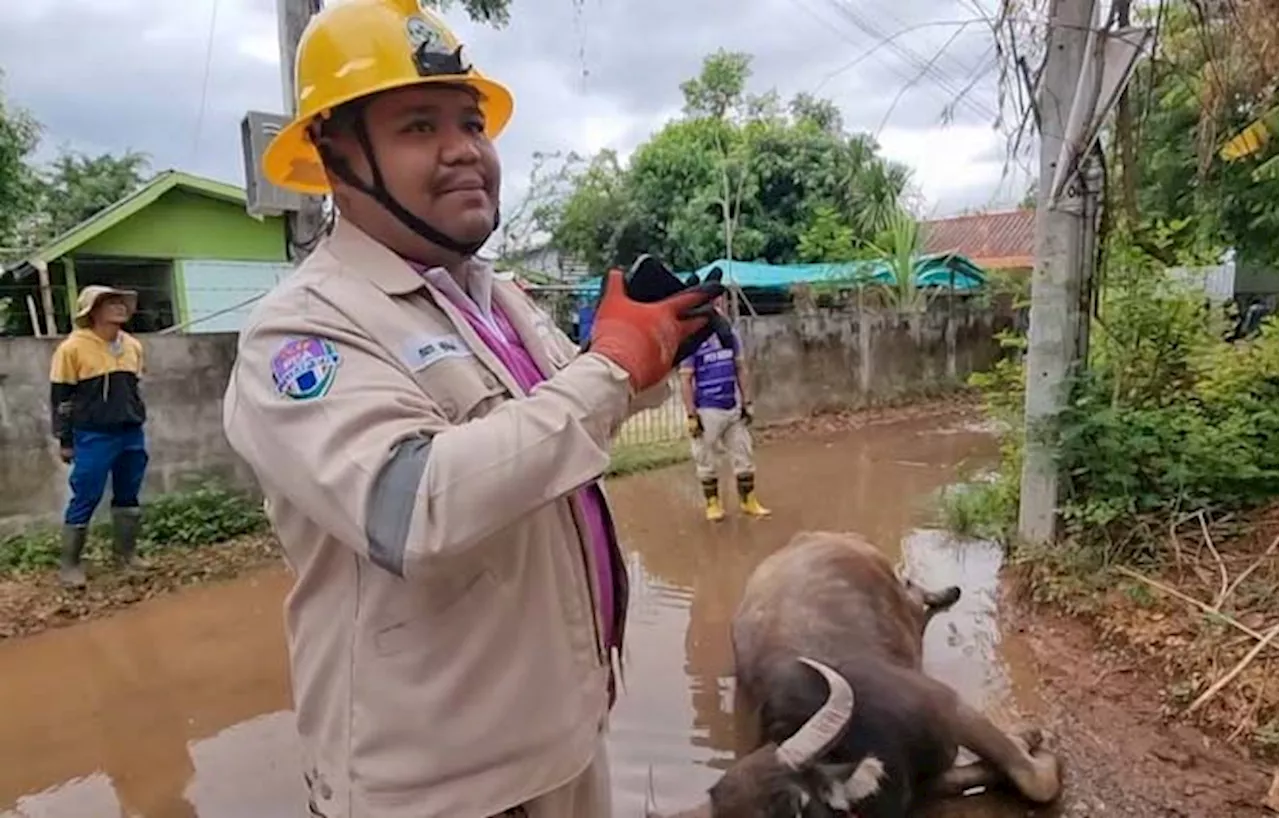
1230 567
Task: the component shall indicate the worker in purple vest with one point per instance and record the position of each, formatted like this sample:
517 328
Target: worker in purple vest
717 399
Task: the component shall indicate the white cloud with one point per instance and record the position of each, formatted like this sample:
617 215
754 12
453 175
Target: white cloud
956 167
111 75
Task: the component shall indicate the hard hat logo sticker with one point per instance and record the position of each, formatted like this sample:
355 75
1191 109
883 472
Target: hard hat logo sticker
425 37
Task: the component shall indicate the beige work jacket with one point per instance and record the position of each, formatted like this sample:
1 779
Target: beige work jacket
444 637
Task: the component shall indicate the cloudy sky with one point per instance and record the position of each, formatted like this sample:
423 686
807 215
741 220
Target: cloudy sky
173 78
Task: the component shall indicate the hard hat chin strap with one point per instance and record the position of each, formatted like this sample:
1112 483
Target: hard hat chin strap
378 191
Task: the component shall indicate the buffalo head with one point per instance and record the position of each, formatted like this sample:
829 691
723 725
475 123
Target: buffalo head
785 779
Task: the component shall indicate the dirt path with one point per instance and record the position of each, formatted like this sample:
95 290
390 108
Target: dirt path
1121 756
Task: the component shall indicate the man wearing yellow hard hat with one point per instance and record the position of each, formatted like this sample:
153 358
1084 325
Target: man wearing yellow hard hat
430 448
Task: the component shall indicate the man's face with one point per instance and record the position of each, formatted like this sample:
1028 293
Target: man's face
112 309
435 161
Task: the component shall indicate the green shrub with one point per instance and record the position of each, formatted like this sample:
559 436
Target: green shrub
209 514
206 515
31 550
1166 418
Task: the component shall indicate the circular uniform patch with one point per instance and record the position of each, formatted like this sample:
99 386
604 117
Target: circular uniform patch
305 368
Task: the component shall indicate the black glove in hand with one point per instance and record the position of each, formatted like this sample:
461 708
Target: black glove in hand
646 337
650 280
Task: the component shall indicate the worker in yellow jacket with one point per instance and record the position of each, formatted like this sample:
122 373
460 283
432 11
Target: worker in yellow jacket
98 417
430 447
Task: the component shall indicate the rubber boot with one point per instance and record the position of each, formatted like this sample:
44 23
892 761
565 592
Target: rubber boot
711 491
747 497
124 536
70 571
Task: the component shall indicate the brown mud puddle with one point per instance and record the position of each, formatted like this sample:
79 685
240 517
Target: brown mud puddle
179 706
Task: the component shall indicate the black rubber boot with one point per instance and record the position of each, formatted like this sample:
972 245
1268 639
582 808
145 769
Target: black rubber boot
70 571
711 489
124 531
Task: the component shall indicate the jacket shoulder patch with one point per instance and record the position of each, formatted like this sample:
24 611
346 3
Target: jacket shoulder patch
305 368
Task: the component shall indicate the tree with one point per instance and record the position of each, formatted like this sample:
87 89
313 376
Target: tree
1211 77
550 181
594 221
820 113
719 90
37 204
496 13
827 237
739 176
76 187
19 134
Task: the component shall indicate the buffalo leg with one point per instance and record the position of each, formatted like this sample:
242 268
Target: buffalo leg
964 777
1034 772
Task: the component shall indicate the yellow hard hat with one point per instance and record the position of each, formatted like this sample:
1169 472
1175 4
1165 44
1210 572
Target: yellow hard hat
356 48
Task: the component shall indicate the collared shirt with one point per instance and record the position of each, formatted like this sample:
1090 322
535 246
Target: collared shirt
493 327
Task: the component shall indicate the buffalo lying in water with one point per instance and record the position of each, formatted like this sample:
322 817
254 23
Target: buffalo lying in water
827 644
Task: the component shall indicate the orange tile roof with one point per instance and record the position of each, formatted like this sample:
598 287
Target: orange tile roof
992 240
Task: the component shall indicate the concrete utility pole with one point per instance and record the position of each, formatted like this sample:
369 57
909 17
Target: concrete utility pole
1063 236
291 17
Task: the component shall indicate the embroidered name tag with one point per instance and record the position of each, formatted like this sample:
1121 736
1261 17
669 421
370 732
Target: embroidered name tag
420 353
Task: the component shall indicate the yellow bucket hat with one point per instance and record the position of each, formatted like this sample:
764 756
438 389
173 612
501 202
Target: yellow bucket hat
91 295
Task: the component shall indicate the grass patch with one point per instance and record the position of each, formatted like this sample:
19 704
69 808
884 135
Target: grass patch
206 515
984 510
635 459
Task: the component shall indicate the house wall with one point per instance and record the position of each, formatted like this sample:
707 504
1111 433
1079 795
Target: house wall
182 224
185 379
215 292
800 363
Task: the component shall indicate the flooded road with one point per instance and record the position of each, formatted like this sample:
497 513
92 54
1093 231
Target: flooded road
178 708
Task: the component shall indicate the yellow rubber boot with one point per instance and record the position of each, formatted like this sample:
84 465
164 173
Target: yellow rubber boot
752 506
711 491
715 511
748 502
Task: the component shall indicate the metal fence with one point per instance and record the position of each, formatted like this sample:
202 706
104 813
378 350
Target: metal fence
662 424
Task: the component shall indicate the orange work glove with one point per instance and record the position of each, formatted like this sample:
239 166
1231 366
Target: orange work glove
644 338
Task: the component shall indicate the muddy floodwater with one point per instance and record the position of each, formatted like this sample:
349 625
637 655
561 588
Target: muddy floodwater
179 707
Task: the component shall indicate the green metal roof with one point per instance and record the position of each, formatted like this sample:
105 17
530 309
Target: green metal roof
112 215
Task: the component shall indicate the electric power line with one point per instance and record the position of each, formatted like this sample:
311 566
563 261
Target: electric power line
204 81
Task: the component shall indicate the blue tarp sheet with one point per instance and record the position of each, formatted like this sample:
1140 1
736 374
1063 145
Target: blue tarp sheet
931 271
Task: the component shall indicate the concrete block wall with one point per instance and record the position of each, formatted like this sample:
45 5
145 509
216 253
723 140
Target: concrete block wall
185 378
830 360
801 364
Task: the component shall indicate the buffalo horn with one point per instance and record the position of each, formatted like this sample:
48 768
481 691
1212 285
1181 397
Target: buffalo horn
819 732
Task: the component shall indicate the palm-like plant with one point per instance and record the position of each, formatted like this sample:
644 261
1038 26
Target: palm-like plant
898 246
